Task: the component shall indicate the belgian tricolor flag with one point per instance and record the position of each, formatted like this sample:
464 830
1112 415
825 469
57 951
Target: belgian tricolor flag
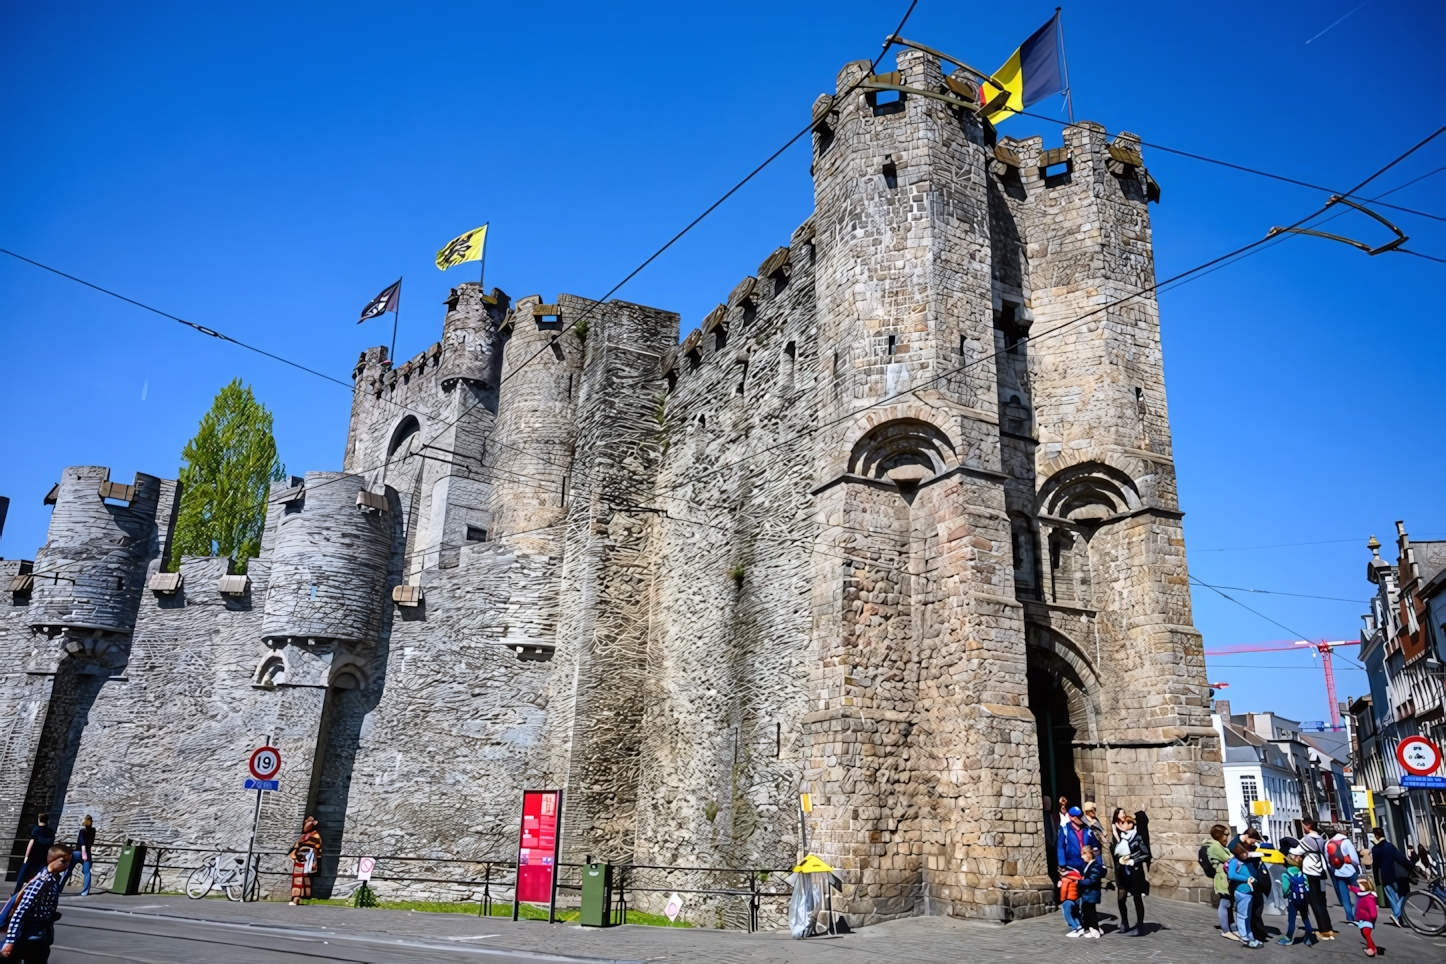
1032 73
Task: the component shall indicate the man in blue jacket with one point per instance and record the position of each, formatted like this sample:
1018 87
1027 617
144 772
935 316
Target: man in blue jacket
1073 836
1392 871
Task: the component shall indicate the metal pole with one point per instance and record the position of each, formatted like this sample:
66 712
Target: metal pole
396 317
251 847
1064 59
556 852
482 263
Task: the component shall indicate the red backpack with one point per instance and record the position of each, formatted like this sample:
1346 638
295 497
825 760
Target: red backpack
1335 855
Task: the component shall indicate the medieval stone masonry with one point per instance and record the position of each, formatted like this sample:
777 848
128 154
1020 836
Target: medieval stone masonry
857 535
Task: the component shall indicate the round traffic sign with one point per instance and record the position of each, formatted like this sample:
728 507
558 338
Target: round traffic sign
1418 756
265 762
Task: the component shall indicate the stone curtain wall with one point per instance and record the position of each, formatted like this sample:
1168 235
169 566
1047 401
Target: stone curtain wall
830 542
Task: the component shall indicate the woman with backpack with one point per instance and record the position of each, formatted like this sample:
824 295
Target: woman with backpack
1213 858
1345 866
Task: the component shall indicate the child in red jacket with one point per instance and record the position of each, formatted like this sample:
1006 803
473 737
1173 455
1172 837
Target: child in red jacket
1365 893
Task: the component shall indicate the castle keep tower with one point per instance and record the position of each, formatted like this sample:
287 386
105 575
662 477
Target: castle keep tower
895 525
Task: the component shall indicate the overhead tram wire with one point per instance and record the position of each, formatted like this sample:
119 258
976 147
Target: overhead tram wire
176 318
697 220
227 338
1179 277
1173 280
1238 167
1293 633
1281 237
634 273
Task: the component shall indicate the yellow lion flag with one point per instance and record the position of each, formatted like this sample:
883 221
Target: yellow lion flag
463 248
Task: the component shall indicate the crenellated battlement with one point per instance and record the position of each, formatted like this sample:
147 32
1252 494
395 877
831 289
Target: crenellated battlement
896 518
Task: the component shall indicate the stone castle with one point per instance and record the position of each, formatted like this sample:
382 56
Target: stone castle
856 536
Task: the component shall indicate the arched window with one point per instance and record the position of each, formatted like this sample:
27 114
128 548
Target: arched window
902 442
404 432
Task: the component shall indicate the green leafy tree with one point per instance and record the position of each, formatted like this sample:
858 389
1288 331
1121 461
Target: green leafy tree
228 469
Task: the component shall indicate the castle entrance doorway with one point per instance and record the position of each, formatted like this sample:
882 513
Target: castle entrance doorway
1064 698
1049 702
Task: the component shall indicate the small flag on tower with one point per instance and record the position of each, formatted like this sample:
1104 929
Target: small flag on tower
1032 73
382 303
463 248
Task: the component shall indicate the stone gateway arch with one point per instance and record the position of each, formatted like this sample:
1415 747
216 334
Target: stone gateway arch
896 525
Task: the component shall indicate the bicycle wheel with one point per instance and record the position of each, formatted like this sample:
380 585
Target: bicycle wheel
234 882
200 881
1425 913
240 883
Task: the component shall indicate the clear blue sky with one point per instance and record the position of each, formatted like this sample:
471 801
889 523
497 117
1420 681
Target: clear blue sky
264 169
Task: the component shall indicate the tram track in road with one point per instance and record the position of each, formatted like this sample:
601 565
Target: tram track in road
263 943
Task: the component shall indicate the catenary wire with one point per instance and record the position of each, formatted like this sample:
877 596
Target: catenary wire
1334 654
1238 167
1282 237
1095 311
1031 338
595 303
571 324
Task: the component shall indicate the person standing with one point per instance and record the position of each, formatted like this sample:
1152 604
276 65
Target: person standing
1215 858
1392 871
1296 891
1072 840
1242 884
42 838
84 844
31 929
1091 878
1313 865
1345 867
1131 856
1092 820
305 856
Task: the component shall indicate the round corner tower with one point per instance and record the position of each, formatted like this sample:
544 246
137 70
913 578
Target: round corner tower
330 565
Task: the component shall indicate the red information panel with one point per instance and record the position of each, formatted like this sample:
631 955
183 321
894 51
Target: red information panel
537 853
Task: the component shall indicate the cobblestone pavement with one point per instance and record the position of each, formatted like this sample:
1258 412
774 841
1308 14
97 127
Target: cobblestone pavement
1178 932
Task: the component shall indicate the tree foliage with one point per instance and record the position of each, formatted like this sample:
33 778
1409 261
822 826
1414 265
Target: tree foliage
229 467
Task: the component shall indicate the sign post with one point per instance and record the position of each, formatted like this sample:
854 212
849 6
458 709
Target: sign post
265 764
537 851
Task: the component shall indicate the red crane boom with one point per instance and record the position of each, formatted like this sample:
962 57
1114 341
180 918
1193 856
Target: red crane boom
1321 648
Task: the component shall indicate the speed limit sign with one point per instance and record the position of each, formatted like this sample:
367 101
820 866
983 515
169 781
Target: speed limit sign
265 763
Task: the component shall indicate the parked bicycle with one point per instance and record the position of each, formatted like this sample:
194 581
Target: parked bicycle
227 872
1425 909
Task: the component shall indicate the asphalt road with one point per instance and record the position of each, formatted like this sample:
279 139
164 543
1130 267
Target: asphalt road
94 935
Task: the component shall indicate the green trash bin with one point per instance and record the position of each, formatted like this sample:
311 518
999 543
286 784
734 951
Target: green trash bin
597 895
128 869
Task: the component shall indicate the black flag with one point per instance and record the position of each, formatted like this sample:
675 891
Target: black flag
382 303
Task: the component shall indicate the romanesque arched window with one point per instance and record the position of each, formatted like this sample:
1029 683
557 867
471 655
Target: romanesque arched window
898 444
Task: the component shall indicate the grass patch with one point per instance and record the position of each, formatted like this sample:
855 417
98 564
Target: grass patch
525 911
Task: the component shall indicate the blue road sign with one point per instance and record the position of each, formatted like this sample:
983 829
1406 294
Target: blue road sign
263 784
1424 783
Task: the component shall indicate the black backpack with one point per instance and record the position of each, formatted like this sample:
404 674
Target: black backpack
1206 866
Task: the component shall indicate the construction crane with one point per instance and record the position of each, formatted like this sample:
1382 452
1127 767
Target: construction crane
1321 648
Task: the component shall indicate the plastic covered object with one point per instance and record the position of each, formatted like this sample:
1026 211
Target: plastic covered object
804 905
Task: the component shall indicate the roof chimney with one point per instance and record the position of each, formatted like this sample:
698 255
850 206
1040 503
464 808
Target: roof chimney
1222 709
